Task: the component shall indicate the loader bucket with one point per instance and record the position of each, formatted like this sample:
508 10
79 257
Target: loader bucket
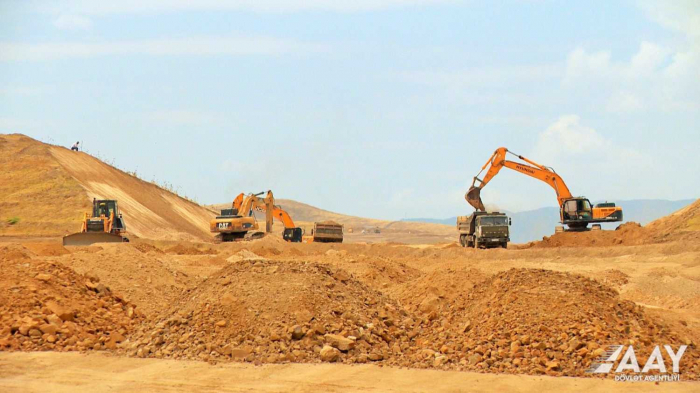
87 238
473 196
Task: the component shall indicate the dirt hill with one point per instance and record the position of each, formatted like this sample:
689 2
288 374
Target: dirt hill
45 189
683 223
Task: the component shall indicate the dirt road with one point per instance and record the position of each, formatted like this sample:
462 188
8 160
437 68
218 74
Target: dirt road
74 372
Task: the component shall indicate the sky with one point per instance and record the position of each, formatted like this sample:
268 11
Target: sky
383 108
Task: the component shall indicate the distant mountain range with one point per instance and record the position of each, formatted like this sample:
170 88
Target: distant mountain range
534 224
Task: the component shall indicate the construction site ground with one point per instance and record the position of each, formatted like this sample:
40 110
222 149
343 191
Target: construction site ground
173 310
239 283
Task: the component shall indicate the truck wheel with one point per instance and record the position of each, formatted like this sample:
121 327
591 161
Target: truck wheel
476 243
462 241
504 245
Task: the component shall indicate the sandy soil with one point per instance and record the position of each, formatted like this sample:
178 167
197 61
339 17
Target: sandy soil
173 310
74 372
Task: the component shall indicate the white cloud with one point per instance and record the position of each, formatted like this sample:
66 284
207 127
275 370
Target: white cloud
648 61
276 6
679 15
568 136
196 46
654 77
72 22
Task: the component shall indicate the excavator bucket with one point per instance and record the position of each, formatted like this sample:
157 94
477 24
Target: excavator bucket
88 238
473 196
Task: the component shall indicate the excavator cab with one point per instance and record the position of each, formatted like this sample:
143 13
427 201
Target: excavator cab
576 212
293 235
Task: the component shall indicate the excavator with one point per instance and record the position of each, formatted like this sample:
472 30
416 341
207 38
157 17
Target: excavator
104 225
574 212
239 223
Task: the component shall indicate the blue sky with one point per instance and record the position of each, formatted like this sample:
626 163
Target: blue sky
381 108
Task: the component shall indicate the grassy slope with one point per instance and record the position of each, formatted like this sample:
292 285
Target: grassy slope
37 190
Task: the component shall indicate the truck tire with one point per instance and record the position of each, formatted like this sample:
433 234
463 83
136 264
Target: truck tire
504 244
462 241
476 244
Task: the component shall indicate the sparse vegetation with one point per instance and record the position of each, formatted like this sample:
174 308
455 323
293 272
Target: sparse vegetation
13 220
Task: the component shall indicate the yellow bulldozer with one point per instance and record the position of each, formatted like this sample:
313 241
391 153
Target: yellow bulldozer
104 225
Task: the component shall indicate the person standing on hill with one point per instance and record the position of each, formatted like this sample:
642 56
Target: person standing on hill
75 146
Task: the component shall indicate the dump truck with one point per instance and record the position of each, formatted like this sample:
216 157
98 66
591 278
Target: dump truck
484 230
104 225
325 232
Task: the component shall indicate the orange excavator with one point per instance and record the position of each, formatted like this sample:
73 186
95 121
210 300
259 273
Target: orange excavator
239 223
574 212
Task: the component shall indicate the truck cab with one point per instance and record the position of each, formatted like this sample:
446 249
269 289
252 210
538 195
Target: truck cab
484 230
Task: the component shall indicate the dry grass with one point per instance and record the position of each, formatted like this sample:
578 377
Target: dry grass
36 193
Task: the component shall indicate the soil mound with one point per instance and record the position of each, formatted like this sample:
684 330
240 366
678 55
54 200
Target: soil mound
46 306
14 253
46 249
188 249
142 278
146 248
272 311
628 234
684 222
541 321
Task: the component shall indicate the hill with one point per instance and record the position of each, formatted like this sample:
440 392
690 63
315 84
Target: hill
532 225
45 189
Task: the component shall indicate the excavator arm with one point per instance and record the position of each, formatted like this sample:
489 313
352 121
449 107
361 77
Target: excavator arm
498 161
283 216
236 205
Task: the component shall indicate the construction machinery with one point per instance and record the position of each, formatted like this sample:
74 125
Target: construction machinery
104 225
325 232
574 212
484 230
239 223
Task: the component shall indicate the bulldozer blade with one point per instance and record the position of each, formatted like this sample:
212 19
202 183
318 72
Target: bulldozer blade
473 196
88 238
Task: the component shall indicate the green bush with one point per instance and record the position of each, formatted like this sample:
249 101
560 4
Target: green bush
13 220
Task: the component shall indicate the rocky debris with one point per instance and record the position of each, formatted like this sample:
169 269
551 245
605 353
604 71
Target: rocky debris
244 255
329 354
537 322
47 306
277 311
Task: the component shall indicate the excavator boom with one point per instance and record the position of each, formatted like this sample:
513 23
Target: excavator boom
498 161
